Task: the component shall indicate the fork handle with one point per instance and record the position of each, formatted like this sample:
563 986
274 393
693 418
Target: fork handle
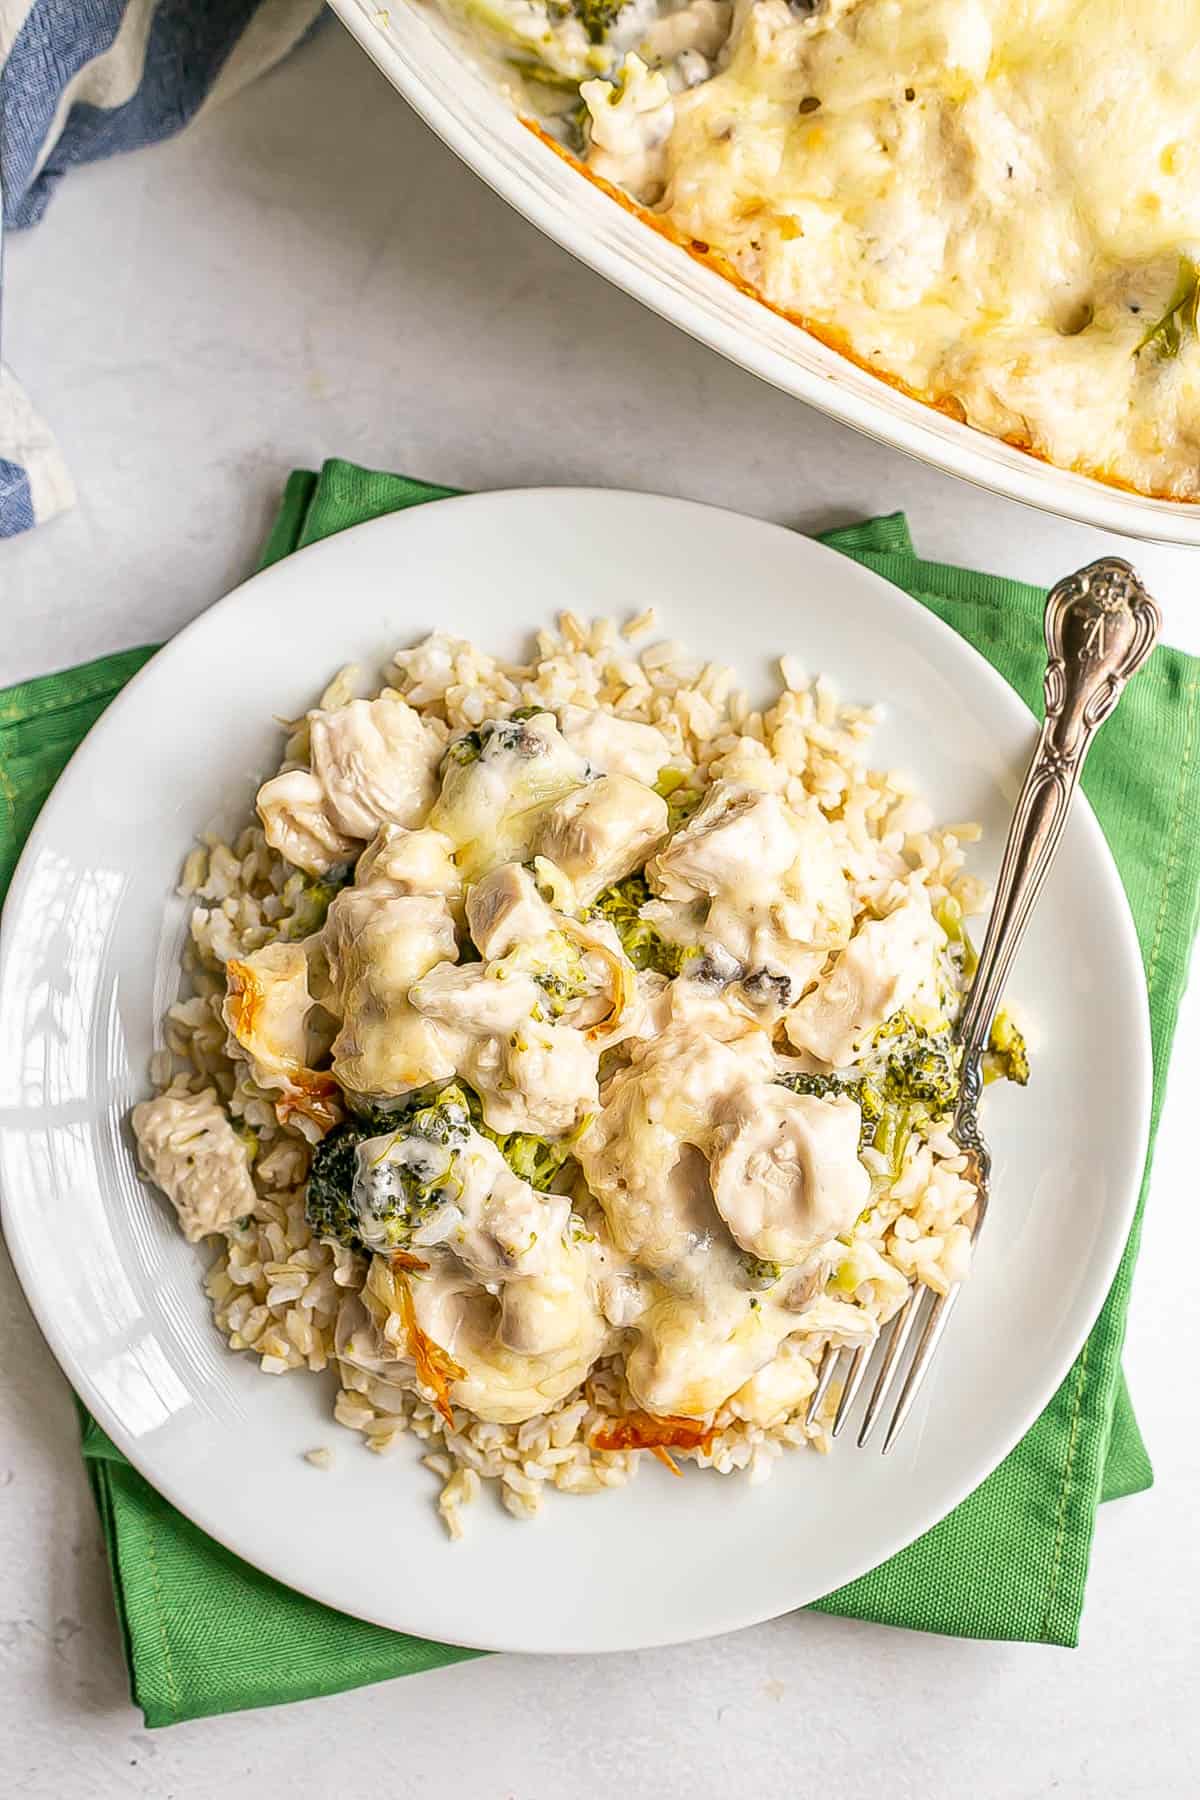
1101 625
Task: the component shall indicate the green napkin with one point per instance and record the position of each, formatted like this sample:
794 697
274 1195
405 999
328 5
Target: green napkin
204 1633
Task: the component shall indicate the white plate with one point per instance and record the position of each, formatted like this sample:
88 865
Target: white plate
434 72
92 935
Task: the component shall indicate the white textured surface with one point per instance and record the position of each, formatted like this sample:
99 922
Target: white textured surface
193 320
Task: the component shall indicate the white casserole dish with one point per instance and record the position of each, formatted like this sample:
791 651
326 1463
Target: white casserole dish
454 97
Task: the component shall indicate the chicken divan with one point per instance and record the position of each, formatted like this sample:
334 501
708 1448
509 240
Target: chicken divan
569 1060
994 204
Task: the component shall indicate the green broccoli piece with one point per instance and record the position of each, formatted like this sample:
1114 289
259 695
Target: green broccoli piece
865 1094
429 1122
950 918
492 735
919 1065
912 1078
526 45
1007 1056
821 1087
316 898
563 980
681 799
534 1159
917 1081
760 1273
465 749
328 1198
598 16
1180 320
643 943
433 1120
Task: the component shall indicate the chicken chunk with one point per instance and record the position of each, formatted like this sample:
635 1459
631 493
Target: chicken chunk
887 965
778 1390
297 823
497 783
506 1295
540 1314
378 944
372 762
771 896
785 1170
189 1149
644 1155
750 944
266 1009
376 760
616 746
739 838
692 1352
586 980
602 832
505 910
475 999
506 1228
522 1352
409 862
531 1073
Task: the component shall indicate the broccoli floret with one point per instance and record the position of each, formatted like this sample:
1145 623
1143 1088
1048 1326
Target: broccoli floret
328 1198
1181 320
916 1081
534 1159
822 1087
312 908
597 16
963 951
681 799
873 1108
1006 1057
563 980
760 1273
537 54
913 1079
465 749
432 1125
921 1064
643 943
864 1092
496 735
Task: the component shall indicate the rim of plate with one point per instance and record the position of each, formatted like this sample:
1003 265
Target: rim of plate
923 623
472 119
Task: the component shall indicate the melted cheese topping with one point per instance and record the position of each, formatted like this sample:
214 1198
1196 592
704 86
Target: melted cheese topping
994 202
467 949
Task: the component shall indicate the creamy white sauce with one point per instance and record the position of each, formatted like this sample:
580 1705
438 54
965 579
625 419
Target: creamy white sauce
719 1202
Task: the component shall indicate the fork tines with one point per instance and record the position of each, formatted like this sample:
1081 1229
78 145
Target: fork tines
895 1339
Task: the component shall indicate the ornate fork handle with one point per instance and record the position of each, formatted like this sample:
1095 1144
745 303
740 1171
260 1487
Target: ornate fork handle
1100 628
1101 625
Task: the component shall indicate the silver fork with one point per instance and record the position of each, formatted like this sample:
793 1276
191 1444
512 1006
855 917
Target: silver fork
1101 625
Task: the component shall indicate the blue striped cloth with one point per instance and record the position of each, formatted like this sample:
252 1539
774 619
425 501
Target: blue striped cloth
81 79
